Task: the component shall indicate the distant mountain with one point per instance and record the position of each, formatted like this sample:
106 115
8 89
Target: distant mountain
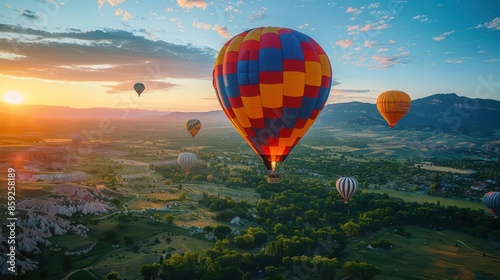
206 117
64 112
441 112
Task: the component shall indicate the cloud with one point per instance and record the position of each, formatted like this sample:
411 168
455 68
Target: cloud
257 15
442 36
189 4
118 12
29 15
421 18
492 60
100 3
221 30
344 43
354 10
373 6
382 49
127 16
169 9
370 44
457 60
493 24
335 82
112 58
305 25
353 27
383 62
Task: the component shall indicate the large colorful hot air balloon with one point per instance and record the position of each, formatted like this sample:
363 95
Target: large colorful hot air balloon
139 88
393 105
492 202
272 83
193 126
346 186
187 160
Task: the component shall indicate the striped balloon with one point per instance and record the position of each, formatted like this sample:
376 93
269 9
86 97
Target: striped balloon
272 83
393 105
346 186
193 126
492 202
187 160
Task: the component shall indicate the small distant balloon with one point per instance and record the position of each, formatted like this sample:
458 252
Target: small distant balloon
139 88
187 161
492 202
77 139
210 177
193 126
346 186
393 105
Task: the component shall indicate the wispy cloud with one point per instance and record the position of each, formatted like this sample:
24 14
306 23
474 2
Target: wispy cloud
257 15
100 3
30 15
386 61
221 30
127 16
370 44
353 11
305 25
189 4
422 18
443 36
457 60
493 24
492 60
112 58
344 43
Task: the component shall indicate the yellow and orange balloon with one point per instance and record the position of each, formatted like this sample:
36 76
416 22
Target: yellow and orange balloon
272 83
193 126
393 105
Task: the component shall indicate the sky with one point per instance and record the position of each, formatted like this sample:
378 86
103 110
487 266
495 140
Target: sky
86 54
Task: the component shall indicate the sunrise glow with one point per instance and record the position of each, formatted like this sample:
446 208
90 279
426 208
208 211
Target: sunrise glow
13 97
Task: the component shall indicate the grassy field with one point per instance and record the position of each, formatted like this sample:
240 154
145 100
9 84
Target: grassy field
428 254
421 198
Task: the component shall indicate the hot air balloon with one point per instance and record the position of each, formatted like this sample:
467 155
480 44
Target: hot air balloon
139 88
492 202
77 139
187 160
346 186
193 126
272 83
210 177
393 105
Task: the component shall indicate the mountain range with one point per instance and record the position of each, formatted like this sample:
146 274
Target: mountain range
446 112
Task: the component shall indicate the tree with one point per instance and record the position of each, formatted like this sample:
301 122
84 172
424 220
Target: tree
150 271
361 269
220 231
182 196
169 218
350 228
113 275
128 241
156 217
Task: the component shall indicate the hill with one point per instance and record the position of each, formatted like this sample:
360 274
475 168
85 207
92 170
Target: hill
439 112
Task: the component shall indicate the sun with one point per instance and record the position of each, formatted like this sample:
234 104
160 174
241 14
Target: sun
13 97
